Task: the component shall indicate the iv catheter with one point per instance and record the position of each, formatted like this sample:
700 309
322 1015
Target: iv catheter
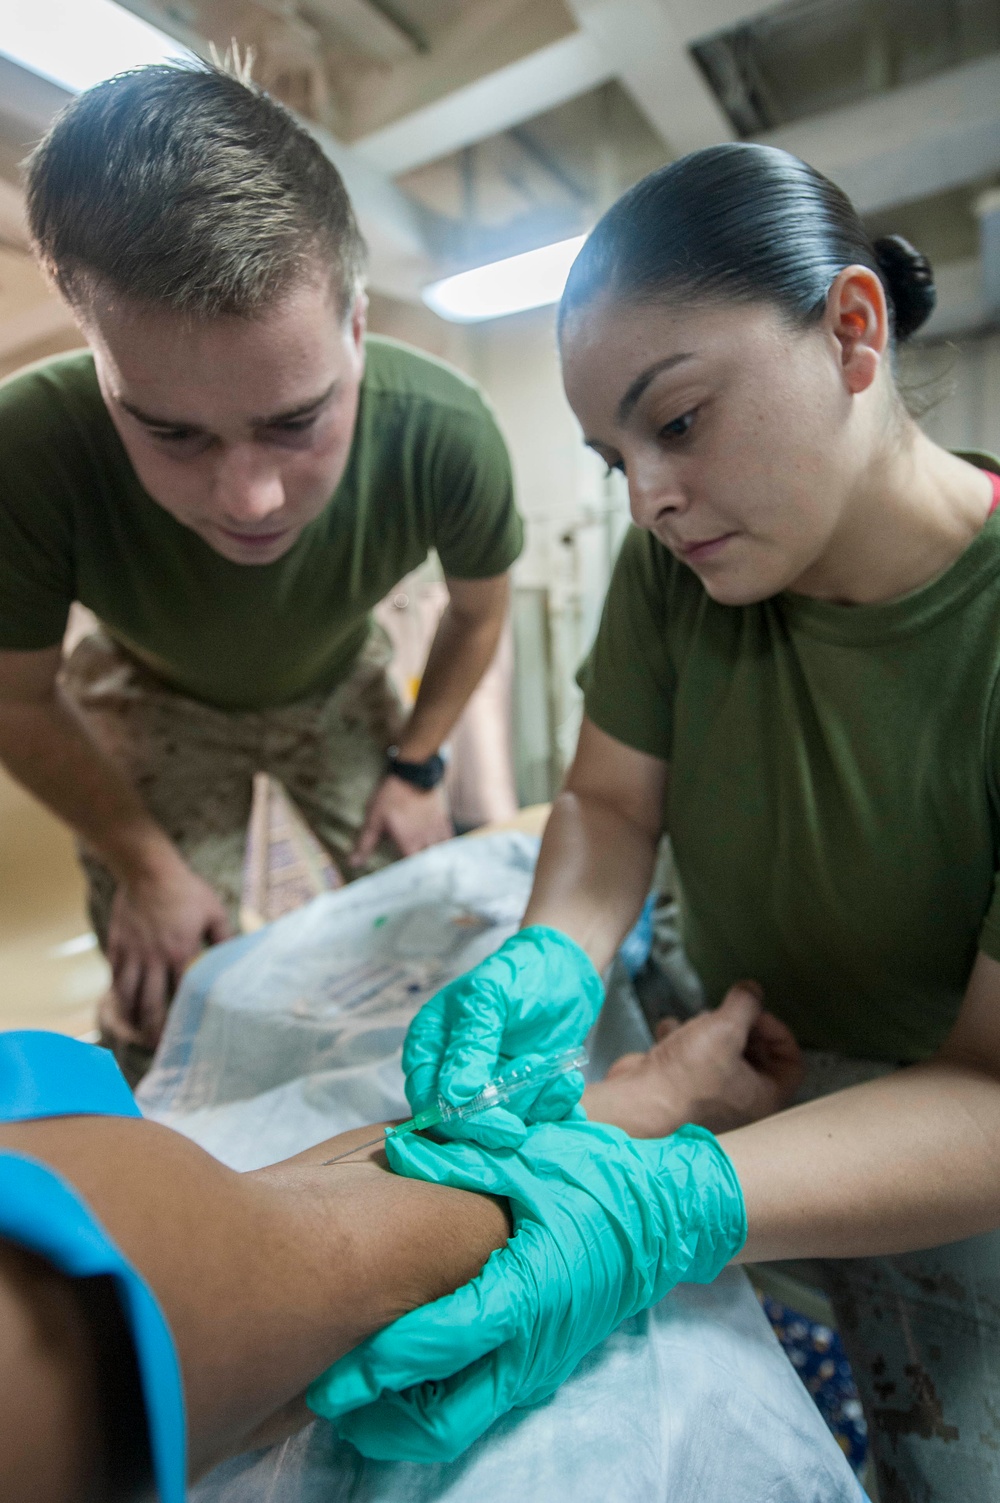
509 1083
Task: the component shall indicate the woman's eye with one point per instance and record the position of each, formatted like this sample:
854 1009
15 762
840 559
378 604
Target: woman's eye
680 427
612 469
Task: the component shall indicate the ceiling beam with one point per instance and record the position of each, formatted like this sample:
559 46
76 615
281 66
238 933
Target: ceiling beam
401 262
647 50
500 100
906 144
27 102
369 29
909 143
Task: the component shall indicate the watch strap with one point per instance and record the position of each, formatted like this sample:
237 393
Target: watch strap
425 775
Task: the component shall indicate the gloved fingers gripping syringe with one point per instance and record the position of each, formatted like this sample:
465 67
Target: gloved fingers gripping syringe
530 1073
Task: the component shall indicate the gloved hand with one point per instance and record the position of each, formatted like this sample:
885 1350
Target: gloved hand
604 1226
537 995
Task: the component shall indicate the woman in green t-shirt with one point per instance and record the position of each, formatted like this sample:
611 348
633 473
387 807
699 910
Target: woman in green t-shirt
796 678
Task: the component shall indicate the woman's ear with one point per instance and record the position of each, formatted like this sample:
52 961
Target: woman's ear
857 318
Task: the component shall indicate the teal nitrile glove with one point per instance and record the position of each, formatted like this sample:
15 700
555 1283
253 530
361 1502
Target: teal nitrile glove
537 995
604 1226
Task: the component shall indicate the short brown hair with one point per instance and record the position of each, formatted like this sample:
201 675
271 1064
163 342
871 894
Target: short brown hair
182 186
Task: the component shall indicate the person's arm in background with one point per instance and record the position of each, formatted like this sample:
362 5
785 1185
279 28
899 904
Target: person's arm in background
163 913
463 648
898 1164
264 1278
599 849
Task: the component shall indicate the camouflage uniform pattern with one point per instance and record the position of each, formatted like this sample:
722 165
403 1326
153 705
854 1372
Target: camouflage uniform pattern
193 764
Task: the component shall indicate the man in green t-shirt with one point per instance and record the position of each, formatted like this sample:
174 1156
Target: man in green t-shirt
230 478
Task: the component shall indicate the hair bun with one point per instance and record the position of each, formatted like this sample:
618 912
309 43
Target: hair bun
910 280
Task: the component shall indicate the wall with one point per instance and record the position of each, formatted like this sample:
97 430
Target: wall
574 513
574 516
962 382
33 320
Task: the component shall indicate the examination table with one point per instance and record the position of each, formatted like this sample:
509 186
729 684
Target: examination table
289 1035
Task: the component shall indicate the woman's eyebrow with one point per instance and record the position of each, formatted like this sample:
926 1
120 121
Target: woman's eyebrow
638 386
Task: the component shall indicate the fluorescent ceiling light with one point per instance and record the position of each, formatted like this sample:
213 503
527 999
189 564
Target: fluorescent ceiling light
528 281
77 43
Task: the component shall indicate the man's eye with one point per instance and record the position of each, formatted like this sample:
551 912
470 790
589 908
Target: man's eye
296 425
680 427
617 468
173 435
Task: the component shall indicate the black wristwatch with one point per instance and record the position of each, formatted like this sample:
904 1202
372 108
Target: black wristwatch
425 775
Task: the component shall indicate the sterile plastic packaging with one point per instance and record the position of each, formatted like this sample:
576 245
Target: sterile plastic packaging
283 1038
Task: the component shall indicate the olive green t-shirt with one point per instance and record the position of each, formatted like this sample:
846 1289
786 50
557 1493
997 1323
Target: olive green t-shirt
834 791
427 469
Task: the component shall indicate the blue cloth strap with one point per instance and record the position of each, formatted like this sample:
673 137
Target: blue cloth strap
49 1075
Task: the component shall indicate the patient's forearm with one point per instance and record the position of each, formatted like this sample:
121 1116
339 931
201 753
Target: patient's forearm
265 1278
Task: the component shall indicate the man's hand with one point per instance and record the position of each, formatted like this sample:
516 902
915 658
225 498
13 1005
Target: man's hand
160 921
413 818
722 1070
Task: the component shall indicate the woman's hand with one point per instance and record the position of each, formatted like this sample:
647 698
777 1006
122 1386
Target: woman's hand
603 1227
538 994
722 1069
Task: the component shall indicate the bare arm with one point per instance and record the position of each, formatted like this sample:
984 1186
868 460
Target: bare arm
462 650
163 913
46 747
596 861
898 1164
50 1443
264 1278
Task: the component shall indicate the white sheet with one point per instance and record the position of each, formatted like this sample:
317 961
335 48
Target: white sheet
290 1035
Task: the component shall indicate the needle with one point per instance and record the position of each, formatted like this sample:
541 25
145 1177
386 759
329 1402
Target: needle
508 1083
356 1149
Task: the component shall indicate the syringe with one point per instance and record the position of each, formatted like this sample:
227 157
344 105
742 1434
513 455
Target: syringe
509 1083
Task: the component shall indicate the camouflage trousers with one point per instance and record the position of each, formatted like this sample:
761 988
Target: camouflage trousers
193 765
922 1332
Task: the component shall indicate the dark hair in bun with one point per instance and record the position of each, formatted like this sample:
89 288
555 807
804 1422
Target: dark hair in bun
747 223
909 280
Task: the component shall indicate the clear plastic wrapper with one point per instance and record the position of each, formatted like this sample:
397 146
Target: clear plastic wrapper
283 1038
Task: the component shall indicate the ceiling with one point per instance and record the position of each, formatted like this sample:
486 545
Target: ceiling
468 129
803 59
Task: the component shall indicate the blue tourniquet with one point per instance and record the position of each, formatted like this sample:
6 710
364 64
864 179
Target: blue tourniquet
49 1075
